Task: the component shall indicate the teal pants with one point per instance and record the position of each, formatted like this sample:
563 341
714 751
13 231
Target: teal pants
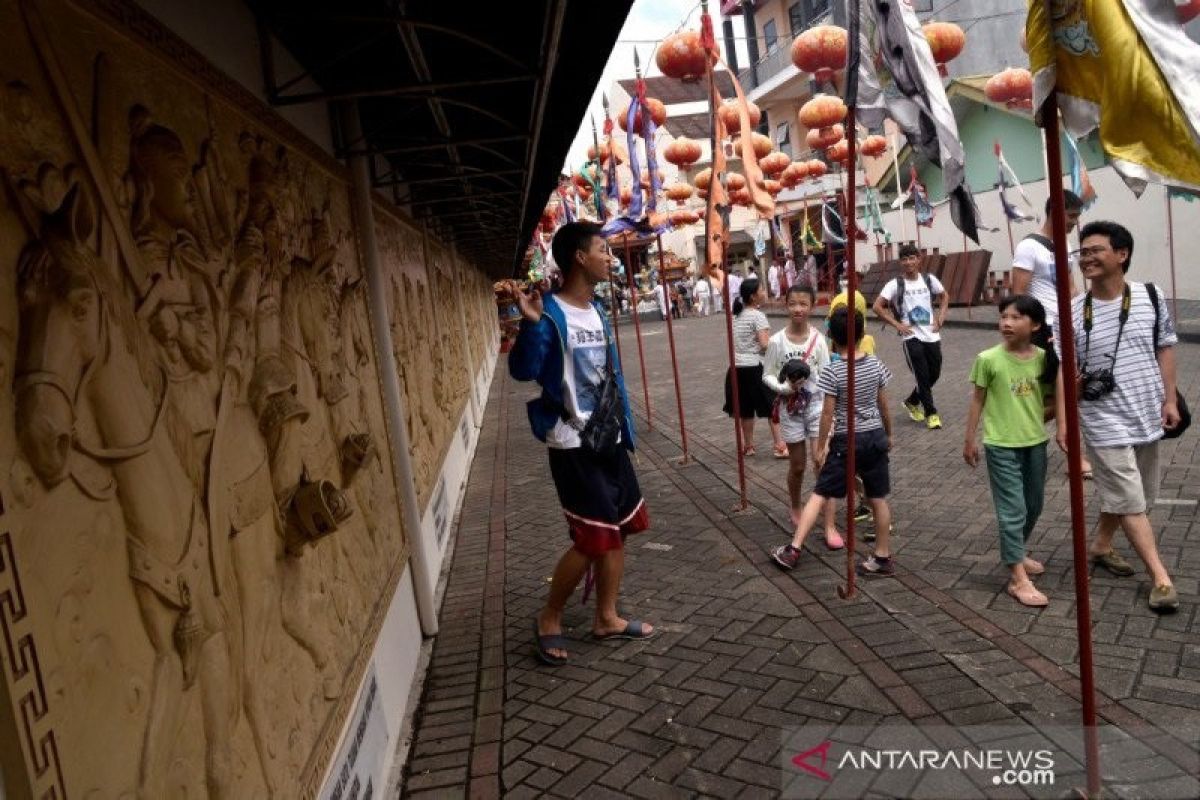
1018 478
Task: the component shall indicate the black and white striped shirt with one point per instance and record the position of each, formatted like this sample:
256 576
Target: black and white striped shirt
870 375
1132 413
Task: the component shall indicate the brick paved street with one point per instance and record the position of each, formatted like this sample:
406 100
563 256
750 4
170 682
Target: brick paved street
746 651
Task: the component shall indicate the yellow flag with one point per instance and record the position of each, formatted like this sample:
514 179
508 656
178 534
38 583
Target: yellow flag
1127 68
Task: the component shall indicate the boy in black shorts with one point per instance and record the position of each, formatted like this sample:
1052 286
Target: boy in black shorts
873 441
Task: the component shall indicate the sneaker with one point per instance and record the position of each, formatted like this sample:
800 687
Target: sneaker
786 556
1114 562
873 567
1164 598
915 412
862 513
934 422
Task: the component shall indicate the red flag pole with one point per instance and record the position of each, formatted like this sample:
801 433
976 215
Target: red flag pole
1083 613
614 289
637 330
849 228
662 277
1171 250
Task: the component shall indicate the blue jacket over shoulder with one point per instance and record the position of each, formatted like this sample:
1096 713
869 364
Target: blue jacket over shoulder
538 355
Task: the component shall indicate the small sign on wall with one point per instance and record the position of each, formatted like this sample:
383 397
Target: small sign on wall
357 772
464 431
439 511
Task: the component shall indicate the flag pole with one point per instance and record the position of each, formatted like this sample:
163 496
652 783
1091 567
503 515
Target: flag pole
662 277
1171 251
1083 615
849 227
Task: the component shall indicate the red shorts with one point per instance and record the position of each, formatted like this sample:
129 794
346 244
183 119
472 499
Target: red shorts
600 497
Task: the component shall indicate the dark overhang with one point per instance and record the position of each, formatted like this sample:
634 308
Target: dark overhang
468 109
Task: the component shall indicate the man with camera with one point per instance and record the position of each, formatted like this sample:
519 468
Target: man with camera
1124 338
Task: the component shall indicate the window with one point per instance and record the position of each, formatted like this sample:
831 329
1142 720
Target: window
783 135
796 18
814 9
802 15
770 35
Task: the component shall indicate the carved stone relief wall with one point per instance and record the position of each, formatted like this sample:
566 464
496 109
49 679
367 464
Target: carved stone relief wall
198 536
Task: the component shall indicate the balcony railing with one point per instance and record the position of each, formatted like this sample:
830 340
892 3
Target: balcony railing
773 62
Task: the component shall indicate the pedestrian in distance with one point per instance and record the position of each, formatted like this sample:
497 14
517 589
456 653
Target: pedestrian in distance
1010 383
907 305
1127 399
872 443
793 362
583 416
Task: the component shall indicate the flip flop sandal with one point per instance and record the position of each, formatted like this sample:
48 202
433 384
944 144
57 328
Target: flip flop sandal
1027 595
544 644
633 630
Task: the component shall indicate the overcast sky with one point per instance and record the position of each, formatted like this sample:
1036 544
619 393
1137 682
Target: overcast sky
649 21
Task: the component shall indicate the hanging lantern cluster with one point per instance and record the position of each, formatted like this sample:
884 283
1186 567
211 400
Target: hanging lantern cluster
816 169
682 57
873 146
684 217
740 197
822 112
658 113
819 139
796 172
821 50
1013 87
839 152
682 152
761 144
774 163
703 179
946 41
772 187
678 192
735 181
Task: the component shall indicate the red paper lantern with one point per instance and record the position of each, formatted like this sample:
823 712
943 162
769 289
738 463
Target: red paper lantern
684 217
682 57
823 111
732 120
816 169
775 163
1188 11
788 179
1013 87
735 181
626 195
703 179
682 152
740 197
873 146
821 51
604 152
702 194
946 41
772 187
761 144
820 138
839 152
678 192
658 113
800 169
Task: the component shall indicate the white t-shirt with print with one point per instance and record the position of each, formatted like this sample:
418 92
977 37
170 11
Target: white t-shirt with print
1132 413
918 305
1034 257
583 372
781 349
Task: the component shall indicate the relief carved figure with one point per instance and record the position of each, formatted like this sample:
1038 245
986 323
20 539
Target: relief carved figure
82 398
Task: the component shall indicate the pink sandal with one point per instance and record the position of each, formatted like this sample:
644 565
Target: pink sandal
1027 595
834 541
1033 567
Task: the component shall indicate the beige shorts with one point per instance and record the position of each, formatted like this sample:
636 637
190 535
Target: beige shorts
1126 477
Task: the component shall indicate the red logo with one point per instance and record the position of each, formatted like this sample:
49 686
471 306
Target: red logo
822 749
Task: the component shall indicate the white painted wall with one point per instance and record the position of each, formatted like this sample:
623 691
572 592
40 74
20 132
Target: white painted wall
1145 217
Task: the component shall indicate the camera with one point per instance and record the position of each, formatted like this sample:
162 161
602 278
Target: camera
1094 385
794 370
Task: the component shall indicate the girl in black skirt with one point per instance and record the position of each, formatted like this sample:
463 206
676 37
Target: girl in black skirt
751 332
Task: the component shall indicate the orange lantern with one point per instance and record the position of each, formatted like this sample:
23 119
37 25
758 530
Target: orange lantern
821 51
839 152
682 152
646 180
819 139
703 179
788 180
800 169
761 144
735 181
702 194
873 146
1013 87
658 113
772 187
946 41
682 57
822 112
740 197
816 169
626 195
775 163
1187 11
604 152
684 217
732 120
678 192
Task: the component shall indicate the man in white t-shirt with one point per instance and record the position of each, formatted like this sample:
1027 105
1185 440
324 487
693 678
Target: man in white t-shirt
1127 399
735 286
1033 260
773 279
661 299
907 305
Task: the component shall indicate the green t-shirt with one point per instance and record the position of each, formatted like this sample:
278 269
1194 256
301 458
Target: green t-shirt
1012 410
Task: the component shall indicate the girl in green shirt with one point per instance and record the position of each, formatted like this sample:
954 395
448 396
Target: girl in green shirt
1010 384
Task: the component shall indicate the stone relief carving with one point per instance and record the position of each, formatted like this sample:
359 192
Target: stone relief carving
206 536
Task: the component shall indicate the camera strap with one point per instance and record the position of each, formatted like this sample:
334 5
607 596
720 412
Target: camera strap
1126 305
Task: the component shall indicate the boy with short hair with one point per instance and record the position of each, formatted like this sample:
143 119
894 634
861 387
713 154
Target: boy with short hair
873 441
